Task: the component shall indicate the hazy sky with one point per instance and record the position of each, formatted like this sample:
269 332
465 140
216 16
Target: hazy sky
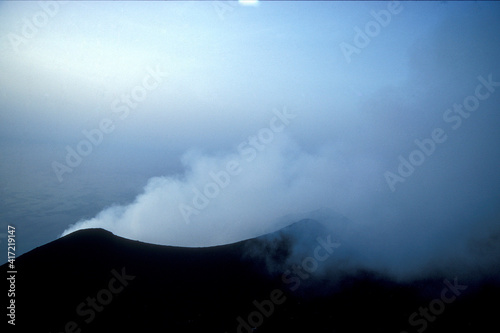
202 123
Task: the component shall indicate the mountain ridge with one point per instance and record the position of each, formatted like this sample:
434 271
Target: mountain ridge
62 285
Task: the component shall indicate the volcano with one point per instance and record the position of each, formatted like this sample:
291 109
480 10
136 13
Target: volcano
94 281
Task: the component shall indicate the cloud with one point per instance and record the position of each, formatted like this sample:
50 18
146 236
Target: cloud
279 179
423 227
352 122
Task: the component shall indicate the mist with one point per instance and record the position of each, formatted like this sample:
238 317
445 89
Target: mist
227 123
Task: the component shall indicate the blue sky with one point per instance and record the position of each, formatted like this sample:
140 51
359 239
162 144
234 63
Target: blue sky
219 71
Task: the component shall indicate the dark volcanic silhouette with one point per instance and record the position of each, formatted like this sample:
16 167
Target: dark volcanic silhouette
94 281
